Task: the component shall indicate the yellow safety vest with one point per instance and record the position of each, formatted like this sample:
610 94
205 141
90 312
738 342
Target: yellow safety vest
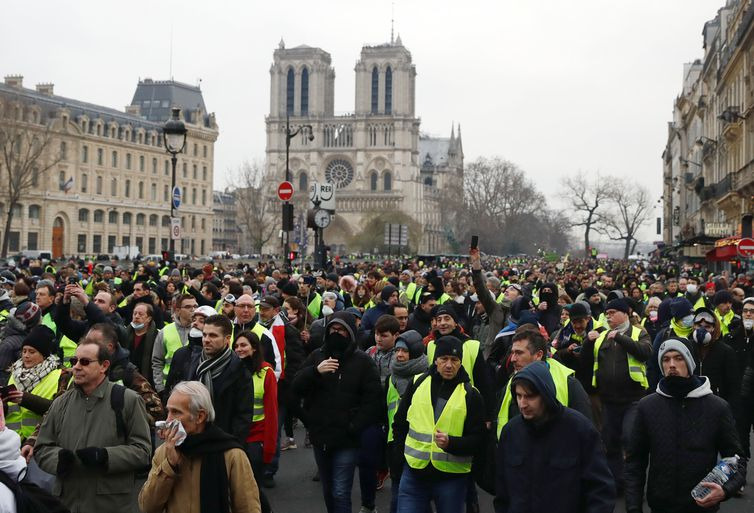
443 299
258 379
410 292
559 373
24 421
470 353
172 340
315 307
69 350
393 399
421 448
47 321
219 306
636 370
724 321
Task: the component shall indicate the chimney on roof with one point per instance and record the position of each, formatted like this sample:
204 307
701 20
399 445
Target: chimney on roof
45 89
16 81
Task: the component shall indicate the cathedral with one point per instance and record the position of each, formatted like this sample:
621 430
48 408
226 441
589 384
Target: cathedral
383 167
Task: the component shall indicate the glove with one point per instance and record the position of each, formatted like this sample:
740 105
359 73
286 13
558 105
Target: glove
65 462
93 457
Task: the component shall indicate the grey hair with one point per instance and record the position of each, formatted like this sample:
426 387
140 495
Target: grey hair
330 295
494 281
199 398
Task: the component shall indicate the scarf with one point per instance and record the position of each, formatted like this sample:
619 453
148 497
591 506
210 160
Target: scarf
27 379
679 387
210 368
679 329
404 372
214 487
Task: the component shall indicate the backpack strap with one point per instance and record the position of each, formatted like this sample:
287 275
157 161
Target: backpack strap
117 402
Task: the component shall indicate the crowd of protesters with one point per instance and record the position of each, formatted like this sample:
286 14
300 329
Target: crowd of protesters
555 386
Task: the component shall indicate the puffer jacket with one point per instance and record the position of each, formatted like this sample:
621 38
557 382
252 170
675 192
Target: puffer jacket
11 341
683 437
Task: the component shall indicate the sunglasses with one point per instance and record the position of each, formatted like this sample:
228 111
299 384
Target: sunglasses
83 361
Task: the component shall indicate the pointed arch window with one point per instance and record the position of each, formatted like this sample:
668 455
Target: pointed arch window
375 89
388 91
305 92
290 92
373 181
387 182
303 183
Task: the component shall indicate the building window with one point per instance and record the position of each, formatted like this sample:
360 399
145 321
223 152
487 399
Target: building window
85 154
290 91
34 211
99 216
110 243
388 91
387 182
375 89
127 218
81 243
84 182
35 176
204 173
195 172
128 188
153 190
63 151
166 193
17 211
32 241
153 221
303 182
305 92
154 166
98 184
141 190
196 149
141 163
126 239
193 196
152 245
97 244
83 215
112 218
204 197
114 159
185 170
14 241
114 187
202 246
428 181
164 243
204 225
204 151
165 221
140 219
373 181
128 161
100 157
167 168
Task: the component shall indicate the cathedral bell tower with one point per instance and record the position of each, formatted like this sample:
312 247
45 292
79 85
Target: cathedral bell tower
385 81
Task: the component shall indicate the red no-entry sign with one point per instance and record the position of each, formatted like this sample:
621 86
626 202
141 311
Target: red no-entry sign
285 191
746 247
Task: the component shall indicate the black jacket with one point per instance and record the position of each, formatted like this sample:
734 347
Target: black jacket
11 342
339 406
142 356
719 364
556 464
75 330
420 321
473 426
683 438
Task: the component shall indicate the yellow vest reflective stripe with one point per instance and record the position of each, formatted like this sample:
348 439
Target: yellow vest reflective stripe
24 421
470 353
69 350
636 370
724 321
410 292
393 398
500 297
315 307
421 448
47 321
258 379
559 373
172 341
700 303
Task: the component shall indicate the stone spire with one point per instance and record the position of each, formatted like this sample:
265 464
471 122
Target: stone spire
281 44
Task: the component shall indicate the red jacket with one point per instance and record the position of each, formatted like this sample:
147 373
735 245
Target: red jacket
266 430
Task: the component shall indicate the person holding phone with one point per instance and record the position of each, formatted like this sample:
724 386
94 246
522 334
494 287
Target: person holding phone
33 382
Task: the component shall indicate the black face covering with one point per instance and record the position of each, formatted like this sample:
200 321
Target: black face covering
337 344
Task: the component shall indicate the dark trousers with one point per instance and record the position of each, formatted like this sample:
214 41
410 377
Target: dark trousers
256 458
336 468
415 493
617 423
371 459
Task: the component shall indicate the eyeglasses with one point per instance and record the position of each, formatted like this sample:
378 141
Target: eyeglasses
748 310
83 361
230 298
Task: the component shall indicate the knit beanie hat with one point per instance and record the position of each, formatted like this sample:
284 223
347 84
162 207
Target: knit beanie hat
290 288
448 346
676 345
29 313
722 296
445 310
42 339
680 307
387 291
590 291
618 304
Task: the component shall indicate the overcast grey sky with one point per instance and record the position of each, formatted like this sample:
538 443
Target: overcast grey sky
553 85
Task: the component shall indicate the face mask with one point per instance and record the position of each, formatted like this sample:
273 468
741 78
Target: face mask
691 289
137 325
687 321
195 333
326 310
474 298
337 342
653 316
748 323
702 336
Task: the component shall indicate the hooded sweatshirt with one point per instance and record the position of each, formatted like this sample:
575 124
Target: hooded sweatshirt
12 464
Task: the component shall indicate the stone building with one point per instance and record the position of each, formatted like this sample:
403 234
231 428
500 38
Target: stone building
111 185
708 162
376 155
225 227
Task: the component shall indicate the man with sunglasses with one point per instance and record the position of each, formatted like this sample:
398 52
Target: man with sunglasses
94 461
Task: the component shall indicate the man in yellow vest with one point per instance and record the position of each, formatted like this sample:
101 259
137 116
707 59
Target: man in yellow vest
530 346
545 441
171 338
723 301
438 427
618 359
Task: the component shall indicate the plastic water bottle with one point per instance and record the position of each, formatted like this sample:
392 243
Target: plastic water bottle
719 475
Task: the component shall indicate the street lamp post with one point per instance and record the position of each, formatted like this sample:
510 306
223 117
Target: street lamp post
288 210
174 137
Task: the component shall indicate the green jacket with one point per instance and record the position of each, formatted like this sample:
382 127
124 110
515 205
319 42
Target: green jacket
74 422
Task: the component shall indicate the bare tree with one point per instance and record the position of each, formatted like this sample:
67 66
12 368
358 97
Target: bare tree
254 205
26 158
631 209
588 198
